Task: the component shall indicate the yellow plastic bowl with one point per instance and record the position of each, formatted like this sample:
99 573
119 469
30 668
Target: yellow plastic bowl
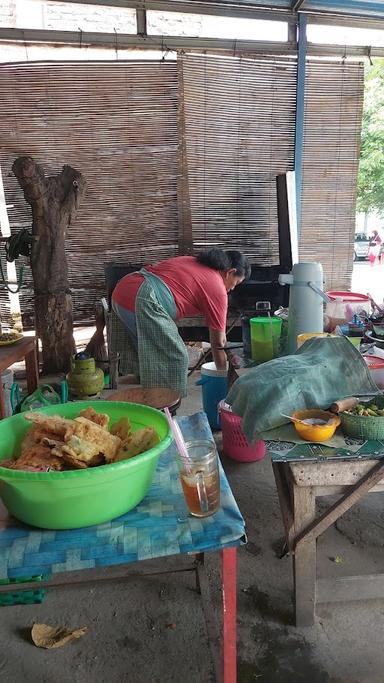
302 338
316 432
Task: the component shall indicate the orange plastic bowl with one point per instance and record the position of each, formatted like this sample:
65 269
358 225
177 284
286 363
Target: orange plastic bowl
315 433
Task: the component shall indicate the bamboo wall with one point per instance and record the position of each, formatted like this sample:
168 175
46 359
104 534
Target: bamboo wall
181 155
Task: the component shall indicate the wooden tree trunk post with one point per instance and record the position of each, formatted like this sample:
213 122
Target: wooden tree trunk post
54 201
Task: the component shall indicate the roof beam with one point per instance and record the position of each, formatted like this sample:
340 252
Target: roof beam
344 51
196 7
329 19
297 4
148 42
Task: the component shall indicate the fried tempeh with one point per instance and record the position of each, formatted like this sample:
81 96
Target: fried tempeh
65 456
122 428
84 450
29 440
107 443
140 441
82 442
38 456
52 423
100 419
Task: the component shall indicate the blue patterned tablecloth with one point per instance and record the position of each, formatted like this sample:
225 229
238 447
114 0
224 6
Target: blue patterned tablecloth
282 451
158 526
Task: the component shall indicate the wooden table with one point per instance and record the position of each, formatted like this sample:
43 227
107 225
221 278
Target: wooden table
298 485
155 398
23 349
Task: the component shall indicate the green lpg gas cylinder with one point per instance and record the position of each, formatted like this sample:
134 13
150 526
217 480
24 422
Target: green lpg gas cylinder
85 380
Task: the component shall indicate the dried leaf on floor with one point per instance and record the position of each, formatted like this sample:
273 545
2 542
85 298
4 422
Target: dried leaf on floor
51 637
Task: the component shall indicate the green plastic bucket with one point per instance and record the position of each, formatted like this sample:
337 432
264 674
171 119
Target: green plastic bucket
78 498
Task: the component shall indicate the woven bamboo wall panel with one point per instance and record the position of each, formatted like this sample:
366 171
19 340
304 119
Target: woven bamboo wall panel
239 133
334 94
177 156
117 124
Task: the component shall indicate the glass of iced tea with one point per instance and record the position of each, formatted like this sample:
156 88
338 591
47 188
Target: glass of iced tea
201 481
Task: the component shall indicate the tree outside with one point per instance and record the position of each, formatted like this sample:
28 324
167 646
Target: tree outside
370 196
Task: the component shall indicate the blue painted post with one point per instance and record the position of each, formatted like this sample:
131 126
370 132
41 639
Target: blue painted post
299 128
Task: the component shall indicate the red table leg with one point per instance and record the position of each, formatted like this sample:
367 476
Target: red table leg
229 614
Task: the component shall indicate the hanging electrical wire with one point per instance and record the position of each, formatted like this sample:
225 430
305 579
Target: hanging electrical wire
19 245
6 285
16 245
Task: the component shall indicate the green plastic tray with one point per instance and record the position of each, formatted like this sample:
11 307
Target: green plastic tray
30 597
78 498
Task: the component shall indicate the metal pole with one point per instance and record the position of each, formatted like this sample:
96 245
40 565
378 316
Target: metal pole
299 128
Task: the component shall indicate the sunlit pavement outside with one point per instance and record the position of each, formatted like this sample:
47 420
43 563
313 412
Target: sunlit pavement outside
367 279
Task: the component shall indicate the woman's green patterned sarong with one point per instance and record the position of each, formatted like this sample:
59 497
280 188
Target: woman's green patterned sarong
163 358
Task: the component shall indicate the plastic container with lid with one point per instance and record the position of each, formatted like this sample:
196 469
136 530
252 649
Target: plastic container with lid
349 303
265 338
214 385
376 369
262 308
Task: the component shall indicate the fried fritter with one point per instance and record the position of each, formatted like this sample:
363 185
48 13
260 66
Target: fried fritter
38 456
107 443
57 443
52 423
139 442
122 428
66 456
100 419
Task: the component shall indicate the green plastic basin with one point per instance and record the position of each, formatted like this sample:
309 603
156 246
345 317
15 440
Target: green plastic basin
77 498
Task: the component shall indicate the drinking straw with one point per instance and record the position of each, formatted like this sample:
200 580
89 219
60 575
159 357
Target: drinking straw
179 440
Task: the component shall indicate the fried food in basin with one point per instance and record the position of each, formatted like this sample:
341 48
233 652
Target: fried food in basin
56 443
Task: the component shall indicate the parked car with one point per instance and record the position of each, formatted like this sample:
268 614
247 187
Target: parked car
361 247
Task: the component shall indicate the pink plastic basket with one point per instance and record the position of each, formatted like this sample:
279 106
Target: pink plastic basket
235 444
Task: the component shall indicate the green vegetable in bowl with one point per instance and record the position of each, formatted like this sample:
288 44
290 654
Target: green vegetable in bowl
366 410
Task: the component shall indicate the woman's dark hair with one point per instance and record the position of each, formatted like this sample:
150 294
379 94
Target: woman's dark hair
218 259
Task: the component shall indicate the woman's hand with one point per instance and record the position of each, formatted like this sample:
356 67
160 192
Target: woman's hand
218 340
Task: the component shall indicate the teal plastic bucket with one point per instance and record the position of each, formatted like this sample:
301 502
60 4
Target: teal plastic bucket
214 385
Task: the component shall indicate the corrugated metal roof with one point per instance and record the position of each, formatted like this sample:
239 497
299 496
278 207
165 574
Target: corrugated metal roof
363 8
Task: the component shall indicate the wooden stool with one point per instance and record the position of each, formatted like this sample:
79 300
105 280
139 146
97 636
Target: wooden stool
155 398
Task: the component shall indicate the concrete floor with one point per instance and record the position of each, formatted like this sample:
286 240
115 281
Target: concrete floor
152 629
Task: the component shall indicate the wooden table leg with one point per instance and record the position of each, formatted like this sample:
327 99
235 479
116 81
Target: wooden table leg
229 614
350 498
304 560
32 370
284 494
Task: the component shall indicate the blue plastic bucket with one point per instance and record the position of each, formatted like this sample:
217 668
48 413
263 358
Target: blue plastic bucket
214 385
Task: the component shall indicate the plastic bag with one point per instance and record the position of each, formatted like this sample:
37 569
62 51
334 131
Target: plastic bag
42 397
